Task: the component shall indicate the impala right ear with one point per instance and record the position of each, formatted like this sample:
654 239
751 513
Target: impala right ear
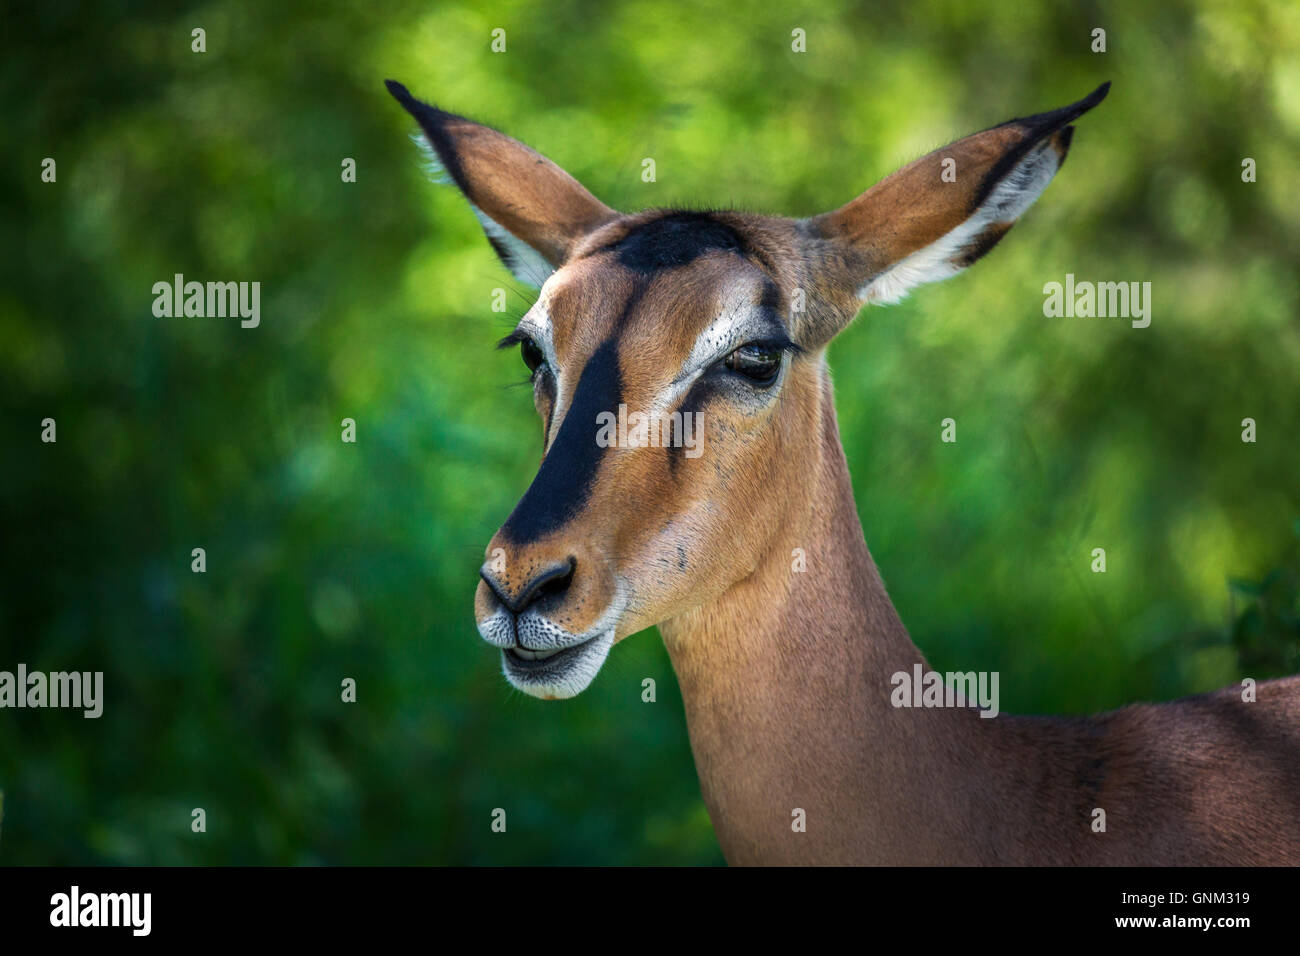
939 214
532 210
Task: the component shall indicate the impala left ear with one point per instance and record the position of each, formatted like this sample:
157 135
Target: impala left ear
532 210
937 215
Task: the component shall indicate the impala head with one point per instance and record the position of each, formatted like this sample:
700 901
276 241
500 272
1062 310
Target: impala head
712 327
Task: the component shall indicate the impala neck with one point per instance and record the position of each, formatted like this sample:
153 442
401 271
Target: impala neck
786 683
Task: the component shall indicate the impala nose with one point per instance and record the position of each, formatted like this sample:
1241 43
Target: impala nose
551 581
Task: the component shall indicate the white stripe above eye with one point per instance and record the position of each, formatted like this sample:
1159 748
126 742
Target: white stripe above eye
739 322
536 324
943 258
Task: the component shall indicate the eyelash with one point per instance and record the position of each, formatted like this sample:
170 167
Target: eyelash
781 346
524 340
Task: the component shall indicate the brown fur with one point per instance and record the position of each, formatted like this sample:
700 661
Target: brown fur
786 676
786 686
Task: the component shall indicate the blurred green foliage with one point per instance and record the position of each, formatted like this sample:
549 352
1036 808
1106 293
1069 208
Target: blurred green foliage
328 560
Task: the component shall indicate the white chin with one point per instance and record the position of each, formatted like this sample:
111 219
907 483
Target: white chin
559 676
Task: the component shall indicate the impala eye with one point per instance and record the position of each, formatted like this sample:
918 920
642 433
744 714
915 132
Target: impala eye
532 354
758 362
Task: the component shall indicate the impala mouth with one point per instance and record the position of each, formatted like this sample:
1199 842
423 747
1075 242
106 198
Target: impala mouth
523 657
556 673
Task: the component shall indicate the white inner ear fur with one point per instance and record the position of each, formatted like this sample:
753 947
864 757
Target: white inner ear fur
942 258
524 262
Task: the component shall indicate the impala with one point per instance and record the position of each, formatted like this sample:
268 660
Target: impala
786 676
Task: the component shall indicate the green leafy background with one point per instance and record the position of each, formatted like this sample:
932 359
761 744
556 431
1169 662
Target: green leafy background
328 560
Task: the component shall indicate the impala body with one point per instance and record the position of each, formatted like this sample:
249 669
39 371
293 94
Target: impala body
786 670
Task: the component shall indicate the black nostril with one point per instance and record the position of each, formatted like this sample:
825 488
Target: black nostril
551 581
494 587
554 580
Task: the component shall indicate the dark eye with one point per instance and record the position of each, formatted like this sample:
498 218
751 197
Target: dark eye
757 362
532 354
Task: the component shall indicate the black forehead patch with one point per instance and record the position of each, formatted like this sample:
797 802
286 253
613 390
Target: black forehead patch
675 239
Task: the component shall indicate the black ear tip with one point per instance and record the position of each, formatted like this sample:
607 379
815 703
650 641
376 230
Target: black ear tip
1071 113
1097 95
400 93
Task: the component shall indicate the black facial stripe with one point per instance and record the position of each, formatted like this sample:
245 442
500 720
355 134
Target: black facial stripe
564 481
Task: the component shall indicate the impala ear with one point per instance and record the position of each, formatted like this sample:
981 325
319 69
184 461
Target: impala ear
937 215
532 210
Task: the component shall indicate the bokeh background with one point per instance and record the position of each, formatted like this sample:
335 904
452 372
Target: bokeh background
327 560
